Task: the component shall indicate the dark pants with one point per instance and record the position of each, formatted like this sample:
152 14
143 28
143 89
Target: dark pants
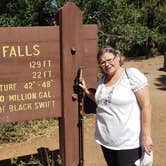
121 157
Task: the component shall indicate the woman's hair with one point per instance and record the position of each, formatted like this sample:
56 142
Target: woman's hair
109 49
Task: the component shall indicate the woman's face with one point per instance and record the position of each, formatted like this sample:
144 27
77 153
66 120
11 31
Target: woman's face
109 63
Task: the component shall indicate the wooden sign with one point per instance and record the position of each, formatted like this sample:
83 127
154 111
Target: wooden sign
29 73
37 71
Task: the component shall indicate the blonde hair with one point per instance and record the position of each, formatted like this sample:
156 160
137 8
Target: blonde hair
109 49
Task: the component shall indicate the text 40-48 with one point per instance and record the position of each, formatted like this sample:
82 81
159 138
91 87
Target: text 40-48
44 84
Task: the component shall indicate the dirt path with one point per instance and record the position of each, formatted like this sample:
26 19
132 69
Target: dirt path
93 155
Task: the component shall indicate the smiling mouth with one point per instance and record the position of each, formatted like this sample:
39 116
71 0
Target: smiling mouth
108 68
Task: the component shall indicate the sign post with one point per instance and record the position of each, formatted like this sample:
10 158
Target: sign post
164 66
83 40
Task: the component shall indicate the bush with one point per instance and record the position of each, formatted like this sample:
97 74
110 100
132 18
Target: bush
18 132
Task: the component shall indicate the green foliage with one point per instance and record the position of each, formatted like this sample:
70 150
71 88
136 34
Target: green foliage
123 24
126 25
32 161
25 13
36 160
160 21
18 132
6 21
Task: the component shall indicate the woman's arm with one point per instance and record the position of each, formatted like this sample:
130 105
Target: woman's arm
89 93
143 98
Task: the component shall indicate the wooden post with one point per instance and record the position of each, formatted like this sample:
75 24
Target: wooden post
164 67
71 50
78 44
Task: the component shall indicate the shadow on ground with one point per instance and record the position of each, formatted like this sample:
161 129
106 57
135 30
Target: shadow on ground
44 157
161 82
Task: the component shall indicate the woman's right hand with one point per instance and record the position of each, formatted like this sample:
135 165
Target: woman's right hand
89 93
83 85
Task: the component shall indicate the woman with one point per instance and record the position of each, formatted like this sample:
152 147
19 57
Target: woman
123 114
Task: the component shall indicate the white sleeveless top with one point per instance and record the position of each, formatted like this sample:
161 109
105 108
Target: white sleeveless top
118 115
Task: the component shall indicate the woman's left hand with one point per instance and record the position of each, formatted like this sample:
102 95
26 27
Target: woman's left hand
147 144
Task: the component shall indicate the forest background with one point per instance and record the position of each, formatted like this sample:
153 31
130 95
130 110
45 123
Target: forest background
126 25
